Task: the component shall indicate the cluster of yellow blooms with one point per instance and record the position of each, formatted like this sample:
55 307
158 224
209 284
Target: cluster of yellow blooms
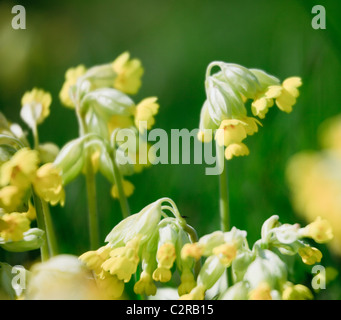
23 169
314 179
260 273
143 238
100 97
224 112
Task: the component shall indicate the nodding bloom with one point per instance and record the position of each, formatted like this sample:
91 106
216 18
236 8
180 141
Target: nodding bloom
145 112
71 77
20 169
48 184
13 225
35 106
310 255
220 250
319 230
296 292
225 112
11 198
129 73
147 240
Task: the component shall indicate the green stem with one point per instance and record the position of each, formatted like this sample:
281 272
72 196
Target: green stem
51 235
224 208
44 249
119 184
90 179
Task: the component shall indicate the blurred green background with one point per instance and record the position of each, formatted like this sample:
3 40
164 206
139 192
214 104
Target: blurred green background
175 41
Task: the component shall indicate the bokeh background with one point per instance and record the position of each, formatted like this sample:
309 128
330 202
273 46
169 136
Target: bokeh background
175 41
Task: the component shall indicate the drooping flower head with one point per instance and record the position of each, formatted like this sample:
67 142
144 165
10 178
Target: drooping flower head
225 109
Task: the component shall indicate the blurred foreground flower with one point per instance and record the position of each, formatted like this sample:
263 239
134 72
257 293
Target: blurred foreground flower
314 178
62 277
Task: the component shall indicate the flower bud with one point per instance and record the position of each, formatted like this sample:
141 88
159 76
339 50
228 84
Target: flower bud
266 268
106 102
35 107
70 160
238 291
142 223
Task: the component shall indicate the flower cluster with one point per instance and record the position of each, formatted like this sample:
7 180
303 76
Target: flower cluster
24 172
100 97
314 178
149 239
224 113
259 273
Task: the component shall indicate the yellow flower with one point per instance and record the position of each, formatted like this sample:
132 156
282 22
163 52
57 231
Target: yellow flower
262 292
197 293
49 185
128 189
166 256
231 131
237 150
11 198
123 261
187 282
310 255
94 259
260 106
226 253
320 230
162 274
145 285
193 250
145 112
14 227
39 102
110 285
20 169
62 277
129 73
286 94
71 77
296 292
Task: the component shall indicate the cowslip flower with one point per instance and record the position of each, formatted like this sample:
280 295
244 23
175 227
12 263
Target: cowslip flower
11 198
48 184
310 255
62 277
129 72
147 240
13 226
71 77
20 169
296 292
224 113
319 230
35 107
145 112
